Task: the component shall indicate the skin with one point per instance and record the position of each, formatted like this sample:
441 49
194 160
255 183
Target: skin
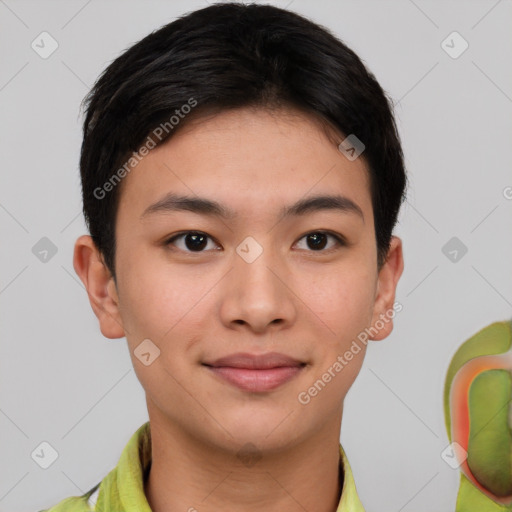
199 306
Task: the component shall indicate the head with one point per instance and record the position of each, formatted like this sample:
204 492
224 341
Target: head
224 218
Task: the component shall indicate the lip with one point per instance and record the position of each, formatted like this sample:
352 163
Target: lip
256 372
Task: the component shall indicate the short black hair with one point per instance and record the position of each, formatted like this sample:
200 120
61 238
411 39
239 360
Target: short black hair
226 56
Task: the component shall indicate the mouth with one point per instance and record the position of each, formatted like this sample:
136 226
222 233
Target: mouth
256 373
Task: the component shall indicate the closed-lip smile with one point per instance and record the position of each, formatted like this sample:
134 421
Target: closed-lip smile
256 372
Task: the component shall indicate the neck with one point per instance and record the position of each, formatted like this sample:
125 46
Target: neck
190 475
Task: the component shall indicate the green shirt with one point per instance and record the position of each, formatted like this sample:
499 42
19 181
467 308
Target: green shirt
123 488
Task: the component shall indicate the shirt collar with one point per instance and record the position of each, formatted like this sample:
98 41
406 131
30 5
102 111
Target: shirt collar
123 487
349 498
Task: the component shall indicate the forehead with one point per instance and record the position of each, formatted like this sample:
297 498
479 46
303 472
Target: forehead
247 158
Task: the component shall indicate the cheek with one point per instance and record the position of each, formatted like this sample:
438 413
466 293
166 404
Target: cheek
154 296
342 301
158 303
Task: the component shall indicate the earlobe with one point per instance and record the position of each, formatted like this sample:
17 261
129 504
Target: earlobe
384 311
99 283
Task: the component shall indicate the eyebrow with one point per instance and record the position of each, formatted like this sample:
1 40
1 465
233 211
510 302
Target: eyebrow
203 206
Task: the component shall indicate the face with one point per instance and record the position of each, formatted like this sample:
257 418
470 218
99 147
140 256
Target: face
243 273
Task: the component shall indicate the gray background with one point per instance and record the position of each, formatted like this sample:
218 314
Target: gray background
64 383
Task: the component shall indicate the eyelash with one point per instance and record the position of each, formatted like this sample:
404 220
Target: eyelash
340 241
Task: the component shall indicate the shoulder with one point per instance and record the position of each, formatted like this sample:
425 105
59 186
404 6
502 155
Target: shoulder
75 503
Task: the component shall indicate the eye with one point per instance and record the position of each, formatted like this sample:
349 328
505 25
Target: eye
197 241
191 241
317 240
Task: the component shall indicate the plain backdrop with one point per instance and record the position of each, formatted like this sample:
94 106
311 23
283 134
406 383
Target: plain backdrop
64 383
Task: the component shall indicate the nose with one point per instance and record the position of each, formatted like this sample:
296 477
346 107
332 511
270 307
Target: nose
258 295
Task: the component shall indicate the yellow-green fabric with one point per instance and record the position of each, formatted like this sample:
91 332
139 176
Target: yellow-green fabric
470 499
123 488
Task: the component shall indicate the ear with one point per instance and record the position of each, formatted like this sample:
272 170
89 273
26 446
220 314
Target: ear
382 321
100 285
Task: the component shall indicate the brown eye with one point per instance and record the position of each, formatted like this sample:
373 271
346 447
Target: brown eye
191 241
195 241
318 240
